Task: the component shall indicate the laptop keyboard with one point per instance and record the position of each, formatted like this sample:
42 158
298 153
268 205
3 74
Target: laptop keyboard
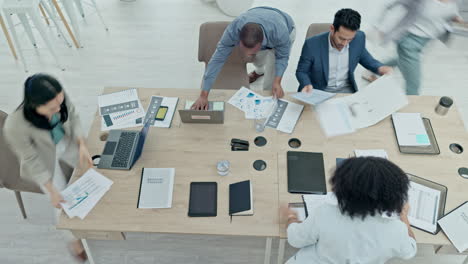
124 148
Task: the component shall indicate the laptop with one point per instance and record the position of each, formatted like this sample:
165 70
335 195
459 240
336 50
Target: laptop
123 148
214 114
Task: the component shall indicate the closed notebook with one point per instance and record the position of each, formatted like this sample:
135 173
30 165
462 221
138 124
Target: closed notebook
156 188
241 198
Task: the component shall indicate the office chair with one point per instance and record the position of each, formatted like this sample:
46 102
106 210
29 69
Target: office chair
317 28
233 75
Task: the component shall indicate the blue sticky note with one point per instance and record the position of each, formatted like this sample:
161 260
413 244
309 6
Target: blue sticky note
422 139
250 95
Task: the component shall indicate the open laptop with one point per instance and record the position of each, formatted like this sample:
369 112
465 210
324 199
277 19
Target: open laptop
214 114
123 148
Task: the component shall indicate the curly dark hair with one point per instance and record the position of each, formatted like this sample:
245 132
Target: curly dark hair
368 186
347 18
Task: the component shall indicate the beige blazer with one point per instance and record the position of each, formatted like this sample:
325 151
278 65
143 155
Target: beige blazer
34 147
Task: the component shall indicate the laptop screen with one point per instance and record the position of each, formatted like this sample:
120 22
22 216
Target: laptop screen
141 141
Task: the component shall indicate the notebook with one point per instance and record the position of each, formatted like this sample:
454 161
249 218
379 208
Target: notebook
241 198
203 199
306 172
156 187
455 226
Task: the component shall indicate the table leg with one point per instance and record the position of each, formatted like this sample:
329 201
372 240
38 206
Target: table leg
268 250
281 247
59 11
10 44
88 251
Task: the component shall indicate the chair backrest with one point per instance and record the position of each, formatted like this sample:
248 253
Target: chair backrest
234 72
317 28
9 166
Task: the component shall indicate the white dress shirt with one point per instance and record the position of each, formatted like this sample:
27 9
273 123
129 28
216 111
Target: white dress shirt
338 68
329 237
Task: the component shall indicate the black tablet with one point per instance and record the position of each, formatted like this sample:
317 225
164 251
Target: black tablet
203 199
306 173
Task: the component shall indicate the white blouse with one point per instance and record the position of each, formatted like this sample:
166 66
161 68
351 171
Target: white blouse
331 237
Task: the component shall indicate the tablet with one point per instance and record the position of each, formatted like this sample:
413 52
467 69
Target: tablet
203 199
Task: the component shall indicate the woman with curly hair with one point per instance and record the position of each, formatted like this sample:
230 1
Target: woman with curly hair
358 229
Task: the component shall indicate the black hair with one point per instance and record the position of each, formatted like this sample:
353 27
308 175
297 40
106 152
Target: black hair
39 89
347 18
251 34
368 185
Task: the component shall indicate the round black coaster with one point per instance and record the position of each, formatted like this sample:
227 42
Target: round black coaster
463 172
260 141
294 143
259 165
456 148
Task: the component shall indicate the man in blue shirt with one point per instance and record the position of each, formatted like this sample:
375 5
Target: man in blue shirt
260 33
328 60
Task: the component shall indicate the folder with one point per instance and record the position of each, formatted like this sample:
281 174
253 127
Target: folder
156 187
241 198
429 149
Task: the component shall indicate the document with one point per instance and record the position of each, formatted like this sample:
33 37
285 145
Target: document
380 153
410 130
284 116
156 188
455 226
82 195
314 201
259 107
242 96
155 103
424 206
120 109
364 108
314 98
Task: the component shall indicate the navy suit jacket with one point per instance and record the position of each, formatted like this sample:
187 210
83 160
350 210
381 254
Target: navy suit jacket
313 64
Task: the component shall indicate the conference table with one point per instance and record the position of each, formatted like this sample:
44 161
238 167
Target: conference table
194 149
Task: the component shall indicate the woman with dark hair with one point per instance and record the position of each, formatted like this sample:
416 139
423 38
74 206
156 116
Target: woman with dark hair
44 129
358 229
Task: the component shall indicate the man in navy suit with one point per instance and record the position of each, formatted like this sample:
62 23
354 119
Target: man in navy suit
328 60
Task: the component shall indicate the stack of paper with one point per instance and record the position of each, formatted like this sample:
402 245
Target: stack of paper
82 195
314 98
455 226
380 153
120 110
365 108
410 130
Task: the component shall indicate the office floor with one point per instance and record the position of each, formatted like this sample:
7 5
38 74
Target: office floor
153 43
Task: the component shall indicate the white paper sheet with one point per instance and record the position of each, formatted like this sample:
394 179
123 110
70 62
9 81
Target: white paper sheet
455 226
365 108
82 195
259 107
380 153
314 98
240 98
410 130
117 98
424 206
